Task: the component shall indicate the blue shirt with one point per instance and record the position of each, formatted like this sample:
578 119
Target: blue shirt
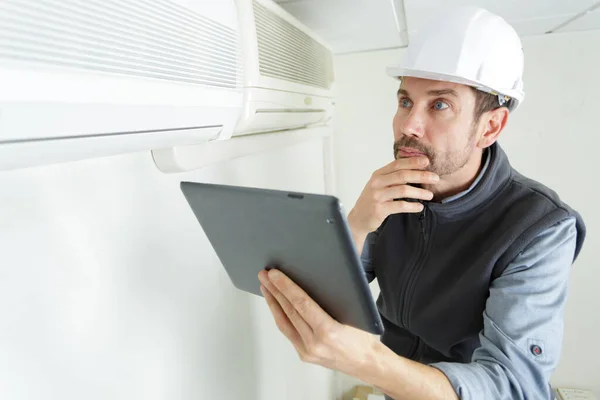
522 323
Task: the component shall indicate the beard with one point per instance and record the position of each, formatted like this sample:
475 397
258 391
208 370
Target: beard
440 163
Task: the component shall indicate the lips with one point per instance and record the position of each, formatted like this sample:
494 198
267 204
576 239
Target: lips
409 152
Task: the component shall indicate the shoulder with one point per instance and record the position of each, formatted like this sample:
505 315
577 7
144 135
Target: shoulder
549 251
537 189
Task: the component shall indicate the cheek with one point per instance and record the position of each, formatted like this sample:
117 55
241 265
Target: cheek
396 124
445 136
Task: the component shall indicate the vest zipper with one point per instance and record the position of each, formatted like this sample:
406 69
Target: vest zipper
422 221
414 270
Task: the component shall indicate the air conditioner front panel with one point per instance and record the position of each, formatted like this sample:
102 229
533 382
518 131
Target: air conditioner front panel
46 103
40 152
73 120
268 110
266 82
266 120
98 69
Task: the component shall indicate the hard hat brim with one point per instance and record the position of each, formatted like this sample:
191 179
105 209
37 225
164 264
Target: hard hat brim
398 71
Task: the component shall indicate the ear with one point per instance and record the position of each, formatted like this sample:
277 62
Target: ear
494 122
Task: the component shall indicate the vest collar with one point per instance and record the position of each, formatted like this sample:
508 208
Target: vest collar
493 179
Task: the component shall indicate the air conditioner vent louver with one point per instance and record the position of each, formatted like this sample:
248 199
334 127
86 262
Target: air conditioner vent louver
145 38
285 52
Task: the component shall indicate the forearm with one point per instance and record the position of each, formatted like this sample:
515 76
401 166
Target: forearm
358 236
359 241
402 379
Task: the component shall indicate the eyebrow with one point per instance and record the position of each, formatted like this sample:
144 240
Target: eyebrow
440 92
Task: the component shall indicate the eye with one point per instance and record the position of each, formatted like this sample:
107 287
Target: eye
440 105
405 103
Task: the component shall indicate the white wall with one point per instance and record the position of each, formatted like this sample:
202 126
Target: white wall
110 289
552 138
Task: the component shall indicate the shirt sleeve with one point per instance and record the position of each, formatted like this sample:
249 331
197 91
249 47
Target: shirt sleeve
522 324
366 256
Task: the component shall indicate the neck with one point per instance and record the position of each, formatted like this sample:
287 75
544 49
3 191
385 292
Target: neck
459 181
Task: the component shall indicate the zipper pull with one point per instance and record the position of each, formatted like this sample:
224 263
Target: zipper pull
424 212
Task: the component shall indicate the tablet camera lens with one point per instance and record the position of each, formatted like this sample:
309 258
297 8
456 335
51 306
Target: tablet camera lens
329 221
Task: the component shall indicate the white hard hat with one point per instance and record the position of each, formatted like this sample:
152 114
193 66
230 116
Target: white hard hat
470 46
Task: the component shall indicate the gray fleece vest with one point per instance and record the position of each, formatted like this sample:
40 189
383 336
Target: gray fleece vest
435 268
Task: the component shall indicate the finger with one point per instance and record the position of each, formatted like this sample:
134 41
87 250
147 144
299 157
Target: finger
282 321
405 176
306 308
404 163
409 176
396 207
288 307
403 192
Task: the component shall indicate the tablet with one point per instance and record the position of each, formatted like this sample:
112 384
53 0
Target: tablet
304 235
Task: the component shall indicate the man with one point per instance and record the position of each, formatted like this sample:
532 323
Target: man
471 257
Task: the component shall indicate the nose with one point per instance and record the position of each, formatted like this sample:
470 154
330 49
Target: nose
409 124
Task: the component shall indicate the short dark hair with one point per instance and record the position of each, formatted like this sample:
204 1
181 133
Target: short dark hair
485 102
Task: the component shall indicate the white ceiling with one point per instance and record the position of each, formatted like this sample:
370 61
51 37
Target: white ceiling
348 25
361 25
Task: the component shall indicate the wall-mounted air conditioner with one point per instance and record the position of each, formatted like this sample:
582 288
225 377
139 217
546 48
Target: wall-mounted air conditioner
82 79
288 84
288 75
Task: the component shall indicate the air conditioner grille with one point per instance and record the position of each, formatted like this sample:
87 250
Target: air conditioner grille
145 38
285 52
